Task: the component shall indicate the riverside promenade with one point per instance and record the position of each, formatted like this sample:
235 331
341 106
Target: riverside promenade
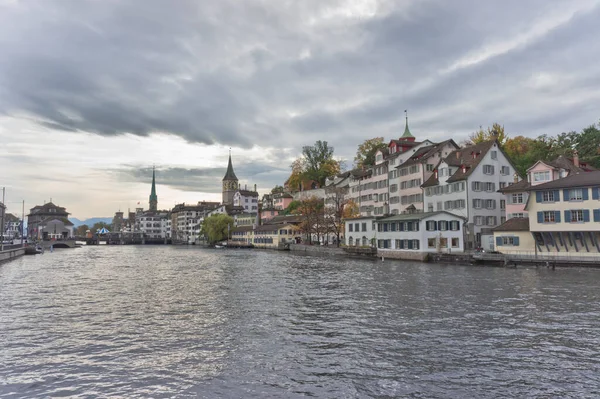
11 252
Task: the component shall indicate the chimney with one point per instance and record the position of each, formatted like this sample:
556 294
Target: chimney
576 158
464 168
435 172
255 187
516 178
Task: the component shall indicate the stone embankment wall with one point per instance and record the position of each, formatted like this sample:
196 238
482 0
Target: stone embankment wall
403 255
317 249
11 254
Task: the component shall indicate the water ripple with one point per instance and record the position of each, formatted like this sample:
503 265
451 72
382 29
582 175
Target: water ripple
168 322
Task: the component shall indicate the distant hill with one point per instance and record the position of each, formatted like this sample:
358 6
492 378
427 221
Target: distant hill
90 222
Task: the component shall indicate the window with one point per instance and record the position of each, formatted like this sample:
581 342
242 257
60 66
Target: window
488 169
517 198
502 204
489 187
549 217
454 225
429 167
430 225
576 216
476 186
548 196
477 203
502 184
490 204
478 220
541 176
576 194
491 220
364 227
508 240
443 225
429 207
505 170
443 242
431 243
356 227
494 154
455 242
439 206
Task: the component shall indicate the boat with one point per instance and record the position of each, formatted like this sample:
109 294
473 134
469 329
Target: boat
219 246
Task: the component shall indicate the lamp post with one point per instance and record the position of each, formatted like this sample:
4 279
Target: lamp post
2 222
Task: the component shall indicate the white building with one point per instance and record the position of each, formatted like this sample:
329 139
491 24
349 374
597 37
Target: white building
411 236
360 231
154 225
246 199
466 184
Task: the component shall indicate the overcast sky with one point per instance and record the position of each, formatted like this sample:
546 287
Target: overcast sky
93 93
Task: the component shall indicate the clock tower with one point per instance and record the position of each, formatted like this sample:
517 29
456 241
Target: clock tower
230 184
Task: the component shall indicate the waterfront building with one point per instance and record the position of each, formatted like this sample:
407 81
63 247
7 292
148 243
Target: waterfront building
186 220
230 184
514 237
406 194
565 214
245 219
153 225
12 226
246 199
279 230
541 172
466 184
49 221
360 231
118 223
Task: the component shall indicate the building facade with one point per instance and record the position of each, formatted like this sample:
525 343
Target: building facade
48 221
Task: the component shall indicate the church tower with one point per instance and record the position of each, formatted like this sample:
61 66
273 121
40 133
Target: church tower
230 184
153 197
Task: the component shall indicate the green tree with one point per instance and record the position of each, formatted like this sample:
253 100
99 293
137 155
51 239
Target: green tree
365 153
587 144
292 208
277 189
319 163
81 230
217 228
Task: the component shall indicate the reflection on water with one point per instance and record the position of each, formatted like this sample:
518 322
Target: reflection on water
187 322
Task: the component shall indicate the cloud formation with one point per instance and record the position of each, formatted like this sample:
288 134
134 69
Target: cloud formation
239 73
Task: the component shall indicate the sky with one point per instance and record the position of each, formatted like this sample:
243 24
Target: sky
95 93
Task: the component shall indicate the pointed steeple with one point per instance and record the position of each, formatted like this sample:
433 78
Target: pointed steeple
230 175
153 196
407 135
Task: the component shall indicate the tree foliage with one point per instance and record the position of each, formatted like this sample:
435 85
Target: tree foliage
99 225
81 230
216 228
496 131
365 153
316 163
312 218
277 189
337 201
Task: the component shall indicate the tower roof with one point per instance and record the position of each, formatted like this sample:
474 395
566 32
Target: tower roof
230 175
407 133
153 191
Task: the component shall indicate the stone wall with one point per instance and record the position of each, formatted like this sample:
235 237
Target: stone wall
11 254
406 255
317 249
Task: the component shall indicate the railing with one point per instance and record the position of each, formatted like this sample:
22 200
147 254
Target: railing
532 256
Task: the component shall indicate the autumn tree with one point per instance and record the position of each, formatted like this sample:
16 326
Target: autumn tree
365 153
479 136
312 218
337 198
216 228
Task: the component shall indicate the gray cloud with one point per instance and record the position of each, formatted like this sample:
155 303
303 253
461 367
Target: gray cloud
285 74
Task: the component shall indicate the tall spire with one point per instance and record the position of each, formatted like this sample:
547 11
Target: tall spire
230 175
407 134
153 196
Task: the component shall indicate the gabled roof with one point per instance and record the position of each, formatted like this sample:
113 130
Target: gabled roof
514 224
284 219
417 216
517 187
582 179
465 156
248 193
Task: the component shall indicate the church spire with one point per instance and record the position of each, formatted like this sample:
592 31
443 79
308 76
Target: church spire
153 197
407 135
230 174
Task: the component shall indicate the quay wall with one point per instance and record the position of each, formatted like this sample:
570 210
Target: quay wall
317 249
11 254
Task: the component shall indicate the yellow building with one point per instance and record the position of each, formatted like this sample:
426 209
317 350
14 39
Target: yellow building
514 237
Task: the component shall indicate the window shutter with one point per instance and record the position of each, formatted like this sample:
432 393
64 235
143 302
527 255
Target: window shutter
557 216
473 185
494 207
410 244
596 215
498 241
567 216
595 193
584 192
540 217
565 194
538 196
434 225
557 196
586 215
516 241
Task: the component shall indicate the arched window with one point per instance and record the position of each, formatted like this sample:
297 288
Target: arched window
350 241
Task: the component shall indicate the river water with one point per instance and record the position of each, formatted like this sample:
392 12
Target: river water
162 321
